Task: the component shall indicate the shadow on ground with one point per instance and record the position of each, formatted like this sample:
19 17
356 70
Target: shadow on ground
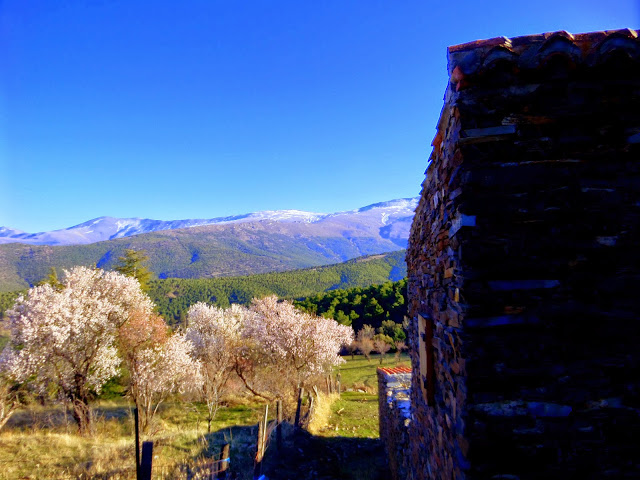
55 417
303 456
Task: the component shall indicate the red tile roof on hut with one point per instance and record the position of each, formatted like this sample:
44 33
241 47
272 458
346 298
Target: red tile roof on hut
535 51
394 370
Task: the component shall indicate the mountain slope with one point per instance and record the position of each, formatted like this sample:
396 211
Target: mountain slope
109 228
231 249
173 296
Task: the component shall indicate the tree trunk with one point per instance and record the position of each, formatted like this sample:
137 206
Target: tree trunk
81 413
6 414
212 409
148 415
250 388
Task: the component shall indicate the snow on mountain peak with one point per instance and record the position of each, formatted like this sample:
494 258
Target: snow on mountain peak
287 216
106 228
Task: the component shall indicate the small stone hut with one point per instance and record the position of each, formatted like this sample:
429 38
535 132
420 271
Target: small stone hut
524 265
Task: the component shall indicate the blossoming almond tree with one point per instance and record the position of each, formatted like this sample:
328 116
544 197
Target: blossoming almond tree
136 336
216 335
64 340
9 388
298 344
163 369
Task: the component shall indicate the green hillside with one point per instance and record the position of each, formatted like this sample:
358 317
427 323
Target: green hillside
173 296
356 306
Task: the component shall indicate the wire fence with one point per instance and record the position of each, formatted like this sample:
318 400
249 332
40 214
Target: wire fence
210 468
216 467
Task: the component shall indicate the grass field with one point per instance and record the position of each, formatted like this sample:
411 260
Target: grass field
355 414
347 447
359 372
42 442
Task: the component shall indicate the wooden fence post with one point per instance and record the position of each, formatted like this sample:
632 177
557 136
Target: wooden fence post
265 426
257 468
300 396
338 382
328 385
224 461
147 460
279 415
137 435
262 443
310 408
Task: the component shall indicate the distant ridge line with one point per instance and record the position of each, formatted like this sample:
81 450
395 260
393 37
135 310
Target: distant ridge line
109 228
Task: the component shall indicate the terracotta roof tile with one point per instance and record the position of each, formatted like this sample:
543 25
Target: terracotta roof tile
531 51
394 370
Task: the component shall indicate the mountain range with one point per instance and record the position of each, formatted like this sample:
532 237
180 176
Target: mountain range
109 228
228 246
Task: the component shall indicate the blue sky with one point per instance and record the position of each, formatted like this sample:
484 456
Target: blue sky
198 109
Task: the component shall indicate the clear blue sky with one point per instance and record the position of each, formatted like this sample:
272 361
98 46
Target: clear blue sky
196 109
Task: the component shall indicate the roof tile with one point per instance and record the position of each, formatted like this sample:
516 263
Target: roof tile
532 51
394 370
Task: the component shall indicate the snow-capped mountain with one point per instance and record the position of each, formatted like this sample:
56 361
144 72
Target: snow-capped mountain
384 214
258 242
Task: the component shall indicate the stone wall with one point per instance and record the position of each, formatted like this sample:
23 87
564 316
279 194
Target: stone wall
524 265
394 386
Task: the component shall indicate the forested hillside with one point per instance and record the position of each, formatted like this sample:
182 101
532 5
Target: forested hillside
358 291
7 299
358 306
174 296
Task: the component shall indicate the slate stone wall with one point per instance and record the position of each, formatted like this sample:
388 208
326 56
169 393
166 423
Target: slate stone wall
394 385
524 264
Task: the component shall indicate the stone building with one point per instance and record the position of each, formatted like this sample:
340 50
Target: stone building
524 265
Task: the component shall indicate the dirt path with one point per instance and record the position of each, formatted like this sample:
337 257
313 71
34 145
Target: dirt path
308 457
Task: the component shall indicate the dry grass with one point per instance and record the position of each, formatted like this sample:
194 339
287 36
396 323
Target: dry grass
42 443
321 412
365 387
60 455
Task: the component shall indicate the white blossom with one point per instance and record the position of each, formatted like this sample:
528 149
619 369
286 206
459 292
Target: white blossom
309 345
66 338
216 335
164 369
